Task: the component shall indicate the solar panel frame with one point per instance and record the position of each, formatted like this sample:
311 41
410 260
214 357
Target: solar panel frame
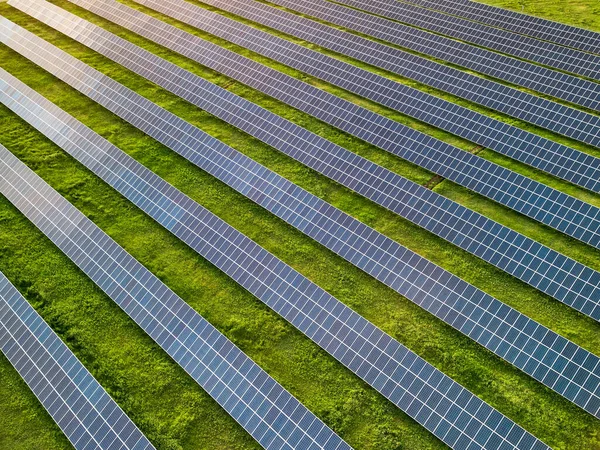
547 114
534 26
86 414
268 412
557 159
441 405
496 326
506 68
517 45
553 273
540 202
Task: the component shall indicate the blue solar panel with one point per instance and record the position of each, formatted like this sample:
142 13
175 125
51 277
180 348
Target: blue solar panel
78 404
531 198
523 47
544 29
441 405
541 112
547 270
255 400
499 66
529 148
494 325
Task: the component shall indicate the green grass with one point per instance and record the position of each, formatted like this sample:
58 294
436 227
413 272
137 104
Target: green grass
163 401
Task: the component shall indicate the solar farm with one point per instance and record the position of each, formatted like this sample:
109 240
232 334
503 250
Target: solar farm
299 224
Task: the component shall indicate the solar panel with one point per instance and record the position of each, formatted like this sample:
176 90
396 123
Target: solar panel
441 405
529 148
544 113
531 198
82 409
499 66
546 53
254 399
496 326
544 29
553 273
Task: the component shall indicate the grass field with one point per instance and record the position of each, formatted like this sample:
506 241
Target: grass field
166 404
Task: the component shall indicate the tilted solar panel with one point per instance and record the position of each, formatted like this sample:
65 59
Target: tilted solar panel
255 400
544 113
441 405
529 148
538 265
496 326
544 29
499 66
504 41
538 201
82 409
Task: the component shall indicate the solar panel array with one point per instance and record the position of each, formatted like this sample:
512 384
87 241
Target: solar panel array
540 266
74 399
496 326
549 206
441 405
255 400
547 114
544 29
517 45
499 66
529 148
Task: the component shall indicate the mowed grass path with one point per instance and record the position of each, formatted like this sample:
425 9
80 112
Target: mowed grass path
163 401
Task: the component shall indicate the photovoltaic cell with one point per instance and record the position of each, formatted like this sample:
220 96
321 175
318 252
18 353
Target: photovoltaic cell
504 41
83 410
449 411
496 65
529 148
544 29
540 266
255 400
531 198
544 113
496 326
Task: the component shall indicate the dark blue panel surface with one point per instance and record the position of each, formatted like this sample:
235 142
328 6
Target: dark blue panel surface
544 29
504 41
83 410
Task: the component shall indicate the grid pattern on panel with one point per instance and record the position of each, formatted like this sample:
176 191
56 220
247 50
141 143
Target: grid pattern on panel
503 67
441 405
523 47
559 160
553 273
74 399
544 29
255 400
531 198
538 351
544 113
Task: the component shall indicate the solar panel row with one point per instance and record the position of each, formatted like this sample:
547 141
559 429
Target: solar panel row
511 335
499 66
517 45
528 107
441 405
549 206
544 29
255 400
540 266
74 399
546 155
